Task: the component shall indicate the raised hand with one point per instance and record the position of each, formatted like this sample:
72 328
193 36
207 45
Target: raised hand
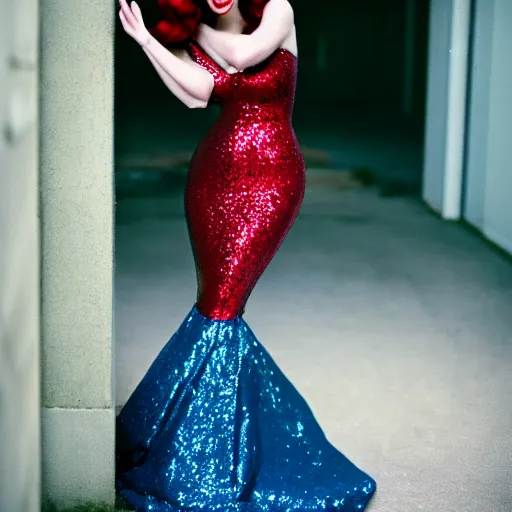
133 24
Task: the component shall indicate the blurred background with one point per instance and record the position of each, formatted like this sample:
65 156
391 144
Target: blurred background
388 305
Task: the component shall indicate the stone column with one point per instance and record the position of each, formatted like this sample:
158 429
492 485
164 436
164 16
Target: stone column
76 183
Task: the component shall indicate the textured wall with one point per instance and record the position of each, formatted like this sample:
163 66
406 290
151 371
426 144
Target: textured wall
19 259
77 250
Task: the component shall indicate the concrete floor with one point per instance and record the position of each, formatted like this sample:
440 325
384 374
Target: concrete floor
395 326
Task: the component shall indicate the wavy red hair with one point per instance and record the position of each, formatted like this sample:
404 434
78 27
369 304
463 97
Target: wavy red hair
180 18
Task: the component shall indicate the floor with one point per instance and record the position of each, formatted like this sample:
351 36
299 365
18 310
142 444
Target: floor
394 325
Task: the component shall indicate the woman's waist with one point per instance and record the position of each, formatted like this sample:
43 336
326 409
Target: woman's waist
260 142
264 129
271 111
261 149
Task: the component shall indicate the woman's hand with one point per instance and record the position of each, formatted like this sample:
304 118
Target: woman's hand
133 24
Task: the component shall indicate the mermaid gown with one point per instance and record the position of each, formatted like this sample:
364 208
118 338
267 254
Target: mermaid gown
214 425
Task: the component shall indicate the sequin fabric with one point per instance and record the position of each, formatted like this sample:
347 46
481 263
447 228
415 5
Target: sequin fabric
245 183
216 426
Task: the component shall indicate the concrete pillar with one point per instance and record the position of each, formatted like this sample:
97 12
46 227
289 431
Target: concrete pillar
19 259
76 183
446 105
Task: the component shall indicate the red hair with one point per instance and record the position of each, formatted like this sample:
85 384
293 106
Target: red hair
179 18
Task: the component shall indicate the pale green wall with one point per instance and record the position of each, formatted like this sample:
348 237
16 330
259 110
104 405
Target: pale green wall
488 203
19 260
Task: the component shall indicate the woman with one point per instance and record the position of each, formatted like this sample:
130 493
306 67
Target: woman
214 424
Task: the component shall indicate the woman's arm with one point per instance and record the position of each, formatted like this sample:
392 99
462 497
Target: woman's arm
246 50
189 82
180 93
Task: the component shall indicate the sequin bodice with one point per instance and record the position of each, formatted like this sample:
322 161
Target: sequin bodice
268 87
246 180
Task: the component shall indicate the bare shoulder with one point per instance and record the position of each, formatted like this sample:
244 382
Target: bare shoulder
278 18
281 8
282 13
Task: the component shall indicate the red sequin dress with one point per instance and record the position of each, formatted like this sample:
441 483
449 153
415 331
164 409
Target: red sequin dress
215 425
246 181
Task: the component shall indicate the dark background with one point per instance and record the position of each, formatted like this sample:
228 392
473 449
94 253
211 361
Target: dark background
350 95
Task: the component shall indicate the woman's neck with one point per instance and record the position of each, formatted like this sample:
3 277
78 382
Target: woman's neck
231 22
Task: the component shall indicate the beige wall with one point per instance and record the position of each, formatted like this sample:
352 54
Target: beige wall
19 259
